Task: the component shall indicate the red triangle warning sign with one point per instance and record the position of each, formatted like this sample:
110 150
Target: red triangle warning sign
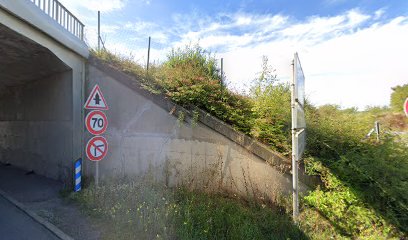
96 100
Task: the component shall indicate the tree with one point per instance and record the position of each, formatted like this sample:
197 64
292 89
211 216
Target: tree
272 109
266 77
398 96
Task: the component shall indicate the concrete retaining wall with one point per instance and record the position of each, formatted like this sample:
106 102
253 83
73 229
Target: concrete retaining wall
145 134
36 126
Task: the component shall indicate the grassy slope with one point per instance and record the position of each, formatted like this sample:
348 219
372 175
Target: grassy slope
143 210
364 192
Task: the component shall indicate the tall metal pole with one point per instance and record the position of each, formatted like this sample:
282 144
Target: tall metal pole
99 49
222 72
295 189
99 31
97 174
148 56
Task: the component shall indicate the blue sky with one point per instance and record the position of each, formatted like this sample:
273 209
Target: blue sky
352 52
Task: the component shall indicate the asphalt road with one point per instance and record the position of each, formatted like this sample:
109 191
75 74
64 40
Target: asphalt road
16 225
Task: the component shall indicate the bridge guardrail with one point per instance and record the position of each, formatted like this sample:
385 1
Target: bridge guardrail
62 16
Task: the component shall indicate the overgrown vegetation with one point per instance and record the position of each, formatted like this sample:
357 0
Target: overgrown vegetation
144 210
398 96
271 108
364 191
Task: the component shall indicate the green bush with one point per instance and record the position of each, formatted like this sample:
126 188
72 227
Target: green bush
190 77
364 192
271 109
398 96
345 208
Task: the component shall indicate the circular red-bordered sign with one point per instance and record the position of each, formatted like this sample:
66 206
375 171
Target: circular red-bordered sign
96 122
96 148
406 107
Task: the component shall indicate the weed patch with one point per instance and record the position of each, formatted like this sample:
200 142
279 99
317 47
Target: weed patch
140 210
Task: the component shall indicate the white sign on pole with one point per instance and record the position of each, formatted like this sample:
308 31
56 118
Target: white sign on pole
298 94
298 128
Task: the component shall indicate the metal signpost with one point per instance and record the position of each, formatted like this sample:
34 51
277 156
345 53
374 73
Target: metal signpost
96 123
298 128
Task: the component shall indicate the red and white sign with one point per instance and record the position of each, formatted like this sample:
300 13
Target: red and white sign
96 148
96 100
406 107
96 122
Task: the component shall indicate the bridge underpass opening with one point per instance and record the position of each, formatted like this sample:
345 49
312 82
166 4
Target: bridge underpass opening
36 112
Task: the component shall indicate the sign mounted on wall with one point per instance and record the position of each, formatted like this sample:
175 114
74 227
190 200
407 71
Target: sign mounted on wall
96 122
96 100
96 148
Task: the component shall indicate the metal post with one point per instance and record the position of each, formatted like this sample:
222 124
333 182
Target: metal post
78 176
148 56
82 32
377 130
99 30
57 12
222 71
295 190
97 173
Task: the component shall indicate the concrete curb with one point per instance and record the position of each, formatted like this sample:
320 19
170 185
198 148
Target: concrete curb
52 228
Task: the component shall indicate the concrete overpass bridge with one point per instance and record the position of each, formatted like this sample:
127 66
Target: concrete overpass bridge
46 73
42 73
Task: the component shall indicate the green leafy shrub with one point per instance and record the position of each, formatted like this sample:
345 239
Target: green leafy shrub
272 110
364 182
332 132
346 210
190 77
398 96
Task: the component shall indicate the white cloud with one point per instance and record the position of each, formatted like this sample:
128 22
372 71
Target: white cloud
356 67
138 26
379 13
94 5
351 59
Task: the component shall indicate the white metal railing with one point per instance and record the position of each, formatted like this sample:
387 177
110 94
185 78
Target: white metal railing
61 15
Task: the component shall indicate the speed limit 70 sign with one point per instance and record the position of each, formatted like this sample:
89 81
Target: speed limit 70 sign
96 122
